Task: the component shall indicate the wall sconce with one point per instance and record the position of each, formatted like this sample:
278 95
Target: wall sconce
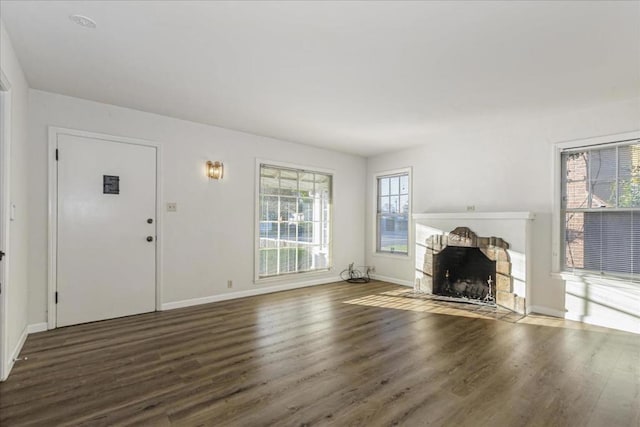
215 170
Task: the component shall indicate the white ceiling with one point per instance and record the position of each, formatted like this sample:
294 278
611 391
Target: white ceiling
359 77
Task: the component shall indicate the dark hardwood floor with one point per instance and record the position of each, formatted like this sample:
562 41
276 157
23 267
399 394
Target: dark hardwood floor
340 354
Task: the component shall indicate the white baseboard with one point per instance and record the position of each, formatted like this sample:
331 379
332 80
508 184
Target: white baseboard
30 329
37 327
16 352
247 293
393 280
546 311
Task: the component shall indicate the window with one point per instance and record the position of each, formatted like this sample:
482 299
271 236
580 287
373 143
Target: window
294 221
393 213
600 209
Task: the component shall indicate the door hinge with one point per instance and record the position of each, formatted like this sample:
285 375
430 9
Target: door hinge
56 297
56 154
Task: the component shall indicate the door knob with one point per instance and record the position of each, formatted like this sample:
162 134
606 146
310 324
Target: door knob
150 221
149 238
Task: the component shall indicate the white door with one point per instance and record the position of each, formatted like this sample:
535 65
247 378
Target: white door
106 254
4 227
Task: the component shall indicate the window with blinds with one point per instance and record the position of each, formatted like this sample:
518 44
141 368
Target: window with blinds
601 209
294 221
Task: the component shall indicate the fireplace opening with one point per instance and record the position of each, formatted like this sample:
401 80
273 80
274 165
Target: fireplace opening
464 272
462 266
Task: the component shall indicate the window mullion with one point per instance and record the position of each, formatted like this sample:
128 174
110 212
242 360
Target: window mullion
392 223
277 242
589 183
288 191
617 176
297 222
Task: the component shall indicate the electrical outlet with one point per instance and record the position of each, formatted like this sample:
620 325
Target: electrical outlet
372 269
471 208
172 207
229 283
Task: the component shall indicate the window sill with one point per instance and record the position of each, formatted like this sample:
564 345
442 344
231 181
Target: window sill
390 255
290 277
596 279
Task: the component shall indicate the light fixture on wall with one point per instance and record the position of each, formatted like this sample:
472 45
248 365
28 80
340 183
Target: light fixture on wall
215 170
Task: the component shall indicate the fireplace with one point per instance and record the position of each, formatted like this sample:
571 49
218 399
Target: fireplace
463 266
464 273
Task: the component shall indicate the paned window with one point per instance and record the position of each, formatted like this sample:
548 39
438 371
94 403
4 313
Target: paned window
392 221
294 222
601 209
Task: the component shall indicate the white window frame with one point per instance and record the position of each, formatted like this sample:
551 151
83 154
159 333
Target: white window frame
256 232
557 252
382 174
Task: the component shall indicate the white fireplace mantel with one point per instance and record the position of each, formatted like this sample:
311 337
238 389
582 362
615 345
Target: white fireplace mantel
513 227
475 215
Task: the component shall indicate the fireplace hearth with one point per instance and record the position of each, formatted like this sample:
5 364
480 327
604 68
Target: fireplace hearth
465 267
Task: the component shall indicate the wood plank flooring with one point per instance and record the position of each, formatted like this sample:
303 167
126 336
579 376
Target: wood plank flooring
335 355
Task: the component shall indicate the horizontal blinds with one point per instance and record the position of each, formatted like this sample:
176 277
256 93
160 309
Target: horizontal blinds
601 209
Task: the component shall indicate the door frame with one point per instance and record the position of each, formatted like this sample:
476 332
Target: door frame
5 218
52 285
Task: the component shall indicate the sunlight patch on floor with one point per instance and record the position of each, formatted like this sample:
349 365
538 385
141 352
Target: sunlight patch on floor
404 299
409 304
556 322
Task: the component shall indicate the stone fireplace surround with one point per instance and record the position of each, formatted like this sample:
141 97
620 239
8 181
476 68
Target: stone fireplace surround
436 231
494 248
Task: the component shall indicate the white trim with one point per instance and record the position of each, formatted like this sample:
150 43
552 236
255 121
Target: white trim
53 219
5 218
30 329
18 348
390 255
247 293
598 140
596 279
296 166
37 327
556 152
256 221
16 352
528 255
556 226
410 231
159 224
476 215
545 311
286 278
52 234
392 280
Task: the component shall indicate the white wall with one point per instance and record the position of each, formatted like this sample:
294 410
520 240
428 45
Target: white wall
501 165
210 239
16 289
